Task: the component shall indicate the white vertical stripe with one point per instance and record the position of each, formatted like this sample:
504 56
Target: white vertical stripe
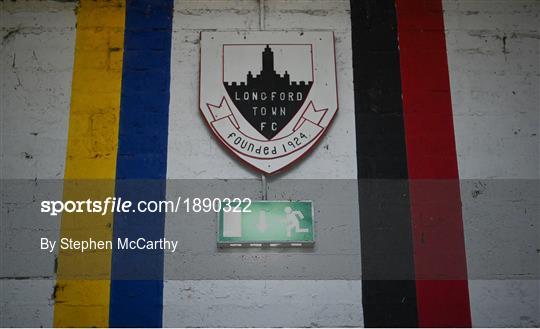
261 303
493 56
195 154
37 60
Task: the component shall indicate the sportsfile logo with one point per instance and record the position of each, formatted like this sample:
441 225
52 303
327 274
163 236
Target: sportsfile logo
119 205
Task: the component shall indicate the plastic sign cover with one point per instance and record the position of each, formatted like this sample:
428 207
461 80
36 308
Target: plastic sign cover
269 223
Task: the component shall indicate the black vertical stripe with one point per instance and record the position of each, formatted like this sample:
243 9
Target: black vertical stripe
388 286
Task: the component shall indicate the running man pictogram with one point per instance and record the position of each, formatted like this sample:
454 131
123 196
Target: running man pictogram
293 221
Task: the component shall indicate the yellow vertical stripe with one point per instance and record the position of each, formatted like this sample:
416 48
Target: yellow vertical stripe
83 279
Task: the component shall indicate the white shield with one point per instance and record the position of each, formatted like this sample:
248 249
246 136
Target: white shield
269 97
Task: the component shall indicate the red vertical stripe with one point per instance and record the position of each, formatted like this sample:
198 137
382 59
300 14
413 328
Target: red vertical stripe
439 248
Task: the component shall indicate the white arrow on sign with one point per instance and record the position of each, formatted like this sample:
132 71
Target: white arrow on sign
262 226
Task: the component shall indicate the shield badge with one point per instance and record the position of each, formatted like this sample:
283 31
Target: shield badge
268 97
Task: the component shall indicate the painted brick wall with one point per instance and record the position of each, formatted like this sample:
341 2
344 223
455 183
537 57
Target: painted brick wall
493 51
319 288
493 56
36 56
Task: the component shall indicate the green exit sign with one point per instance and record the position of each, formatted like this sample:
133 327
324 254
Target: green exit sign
267 224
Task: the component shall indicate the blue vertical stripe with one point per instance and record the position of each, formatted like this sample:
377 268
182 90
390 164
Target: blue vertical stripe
136 298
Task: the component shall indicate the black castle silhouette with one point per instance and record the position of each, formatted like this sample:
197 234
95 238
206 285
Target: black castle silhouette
268 100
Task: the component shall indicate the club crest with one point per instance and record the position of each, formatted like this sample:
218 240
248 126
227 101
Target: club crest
268 96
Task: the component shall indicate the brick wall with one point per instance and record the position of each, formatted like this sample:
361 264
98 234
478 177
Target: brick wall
493 60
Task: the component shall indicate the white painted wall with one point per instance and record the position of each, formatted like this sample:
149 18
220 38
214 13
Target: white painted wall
263 303
493 55
36 57
238 297
493 51
493 61
38 40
